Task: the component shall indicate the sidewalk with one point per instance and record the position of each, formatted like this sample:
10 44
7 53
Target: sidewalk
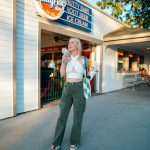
114 121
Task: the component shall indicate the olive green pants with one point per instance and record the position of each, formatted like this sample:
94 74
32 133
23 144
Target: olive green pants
72 95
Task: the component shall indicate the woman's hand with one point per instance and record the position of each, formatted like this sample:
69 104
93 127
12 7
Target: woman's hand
63 65
65 59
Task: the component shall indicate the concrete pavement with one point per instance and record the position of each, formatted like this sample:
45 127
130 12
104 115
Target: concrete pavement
114 121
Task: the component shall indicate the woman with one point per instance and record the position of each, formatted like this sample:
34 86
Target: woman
146 76
72 68
143 72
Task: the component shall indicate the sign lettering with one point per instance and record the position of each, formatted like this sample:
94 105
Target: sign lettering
77 15
69 12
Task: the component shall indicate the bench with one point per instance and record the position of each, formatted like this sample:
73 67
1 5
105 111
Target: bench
133 80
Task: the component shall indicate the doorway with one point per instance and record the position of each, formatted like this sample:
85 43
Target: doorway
51 82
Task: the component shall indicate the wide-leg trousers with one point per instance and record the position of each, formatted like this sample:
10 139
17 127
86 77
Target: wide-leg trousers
72 96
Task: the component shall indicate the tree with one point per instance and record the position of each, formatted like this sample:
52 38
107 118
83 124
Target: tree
135 13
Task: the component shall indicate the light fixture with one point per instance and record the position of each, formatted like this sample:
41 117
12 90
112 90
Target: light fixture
148 47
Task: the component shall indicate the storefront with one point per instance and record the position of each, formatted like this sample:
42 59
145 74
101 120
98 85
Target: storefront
27 30
125 52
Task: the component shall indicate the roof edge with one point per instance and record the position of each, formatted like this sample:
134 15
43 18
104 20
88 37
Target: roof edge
120 28
123 37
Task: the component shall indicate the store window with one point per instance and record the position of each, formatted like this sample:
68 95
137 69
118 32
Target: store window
129 62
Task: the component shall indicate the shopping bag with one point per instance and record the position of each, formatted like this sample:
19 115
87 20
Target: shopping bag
86 82
86 88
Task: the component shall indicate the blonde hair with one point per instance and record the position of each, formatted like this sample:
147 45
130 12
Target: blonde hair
79 45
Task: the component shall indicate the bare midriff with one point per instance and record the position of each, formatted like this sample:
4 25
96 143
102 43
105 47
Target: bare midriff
73 80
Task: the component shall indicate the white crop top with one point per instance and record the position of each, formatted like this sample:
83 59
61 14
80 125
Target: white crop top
74 68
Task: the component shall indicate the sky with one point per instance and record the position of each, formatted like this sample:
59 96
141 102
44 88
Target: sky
105 10
93 1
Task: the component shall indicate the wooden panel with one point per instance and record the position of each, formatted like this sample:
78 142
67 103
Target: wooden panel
6 59
27 57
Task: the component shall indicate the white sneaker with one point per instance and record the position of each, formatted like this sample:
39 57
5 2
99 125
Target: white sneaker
55 147
74 147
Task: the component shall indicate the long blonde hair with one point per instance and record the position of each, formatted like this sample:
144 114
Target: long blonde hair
79 45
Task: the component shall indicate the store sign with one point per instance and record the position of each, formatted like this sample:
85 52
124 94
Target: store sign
51 9
69 12
54 49
77 15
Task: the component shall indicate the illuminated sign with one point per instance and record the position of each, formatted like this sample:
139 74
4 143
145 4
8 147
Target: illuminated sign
51 9
69 12
77 15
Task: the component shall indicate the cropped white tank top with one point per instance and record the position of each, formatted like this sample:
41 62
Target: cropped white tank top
74 68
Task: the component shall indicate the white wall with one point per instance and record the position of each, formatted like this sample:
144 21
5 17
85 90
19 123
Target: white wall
26 56
111 80
147 60
103 24
6 59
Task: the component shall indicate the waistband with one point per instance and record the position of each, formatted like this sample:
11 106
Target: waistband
74 83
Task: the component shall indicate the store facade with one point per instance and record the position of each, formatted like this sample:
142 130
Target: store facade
125 52
23 30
